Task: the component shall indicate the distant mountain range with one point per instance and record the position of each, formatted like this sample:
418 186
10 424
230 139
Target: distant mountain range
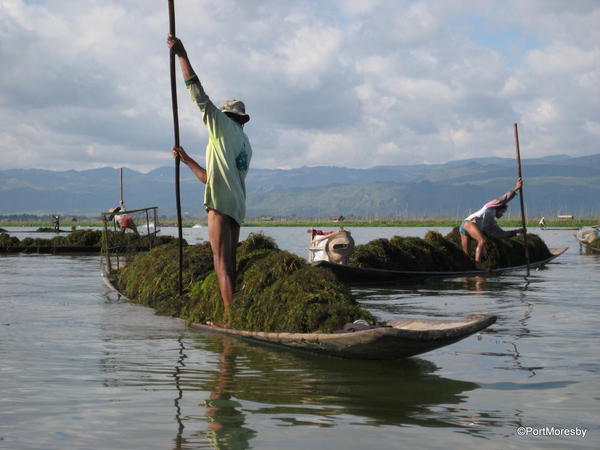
553 185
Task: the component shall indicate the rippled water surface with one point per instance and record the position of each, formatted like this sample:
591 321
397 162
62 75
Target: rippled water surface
81 368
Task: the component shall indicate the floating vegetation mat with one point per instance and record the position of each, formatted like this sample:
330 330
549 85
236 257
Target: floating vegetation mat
436 253
276 290
76 241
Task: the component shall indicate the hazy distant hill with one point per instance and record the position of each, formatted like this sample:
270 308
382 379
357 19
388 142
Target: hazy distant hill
553 185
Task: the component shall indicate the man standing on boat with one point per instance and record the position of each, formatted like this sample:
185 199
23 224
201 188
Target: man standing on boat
483 222
56 223
228 155
542 223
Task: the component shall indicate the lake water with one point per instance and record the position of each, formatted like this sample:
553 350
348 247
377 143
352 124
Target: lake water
82 369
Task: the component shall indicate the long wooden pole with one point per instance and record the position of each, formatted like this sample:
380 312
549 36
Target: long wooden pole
520 175
176 135
121 200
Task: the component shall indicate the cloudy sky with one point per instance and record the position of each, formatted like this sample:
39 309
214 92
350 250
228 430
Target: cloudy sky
354 83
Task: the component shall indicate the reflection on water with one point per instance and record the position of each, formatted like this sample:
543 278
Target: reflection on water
225 428
177 376
315 385
301 389
220 381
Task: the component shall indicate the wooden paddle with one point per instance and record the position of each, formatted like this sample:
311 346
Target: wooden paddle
519 174
176 134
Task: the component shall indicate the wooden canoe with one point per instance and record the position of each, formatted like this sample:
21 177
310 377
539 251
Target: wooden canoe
585 245
394 340
398 339
359 275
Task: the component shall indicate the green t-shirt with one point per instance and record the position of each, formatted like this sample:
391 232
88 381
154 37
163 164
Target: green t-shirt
228 155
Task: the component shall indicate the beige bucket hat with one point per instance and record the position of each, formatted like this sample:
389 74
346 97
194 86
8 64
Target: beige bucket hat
113 212
236 107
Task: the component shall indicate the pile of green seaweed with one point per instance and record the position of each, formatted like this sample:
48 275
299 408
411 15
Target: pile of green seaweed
276 290
436 253
507 252
76 241
433 253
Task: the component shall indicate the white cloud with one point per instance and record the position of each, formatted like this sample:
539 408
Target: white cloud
353 83
542 113
561 60
415 23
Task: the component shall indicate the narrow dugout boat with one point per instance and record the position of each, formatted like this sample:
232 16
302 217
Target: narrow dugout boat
586 246
586 237
358 275
393 340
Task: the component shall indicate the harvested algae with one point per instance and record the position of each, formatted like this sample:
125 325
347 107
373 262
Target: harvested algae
80 240
432 254
436 253
276 290
507 252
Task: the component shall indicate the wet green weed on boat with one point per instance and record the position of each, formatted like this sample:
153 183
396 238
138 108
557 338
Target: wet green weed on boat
507 252
80 240
436 253
276 290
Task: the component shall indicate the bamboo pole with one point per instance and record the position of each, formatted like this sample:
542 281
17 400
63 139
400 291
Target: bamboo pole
176 136
521 200
121 200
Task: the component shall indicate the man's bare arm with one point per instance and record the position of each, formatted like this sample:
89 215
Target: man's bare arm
196 168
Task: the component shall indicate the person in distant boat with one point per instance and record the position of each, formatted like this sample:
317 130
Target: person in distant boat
483 222
56 223
123 221
228 155
542 223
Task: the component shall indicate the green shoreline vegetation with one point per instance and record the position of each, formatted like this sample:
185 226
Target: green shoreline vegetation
327 223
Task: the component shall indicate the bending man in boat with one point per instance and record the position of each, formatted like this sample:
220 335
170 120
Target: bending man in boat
228 155
123 221
483 222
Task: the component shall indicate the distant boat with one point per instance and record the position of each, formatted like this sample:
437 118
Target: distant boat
357 275
586 237
197 226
